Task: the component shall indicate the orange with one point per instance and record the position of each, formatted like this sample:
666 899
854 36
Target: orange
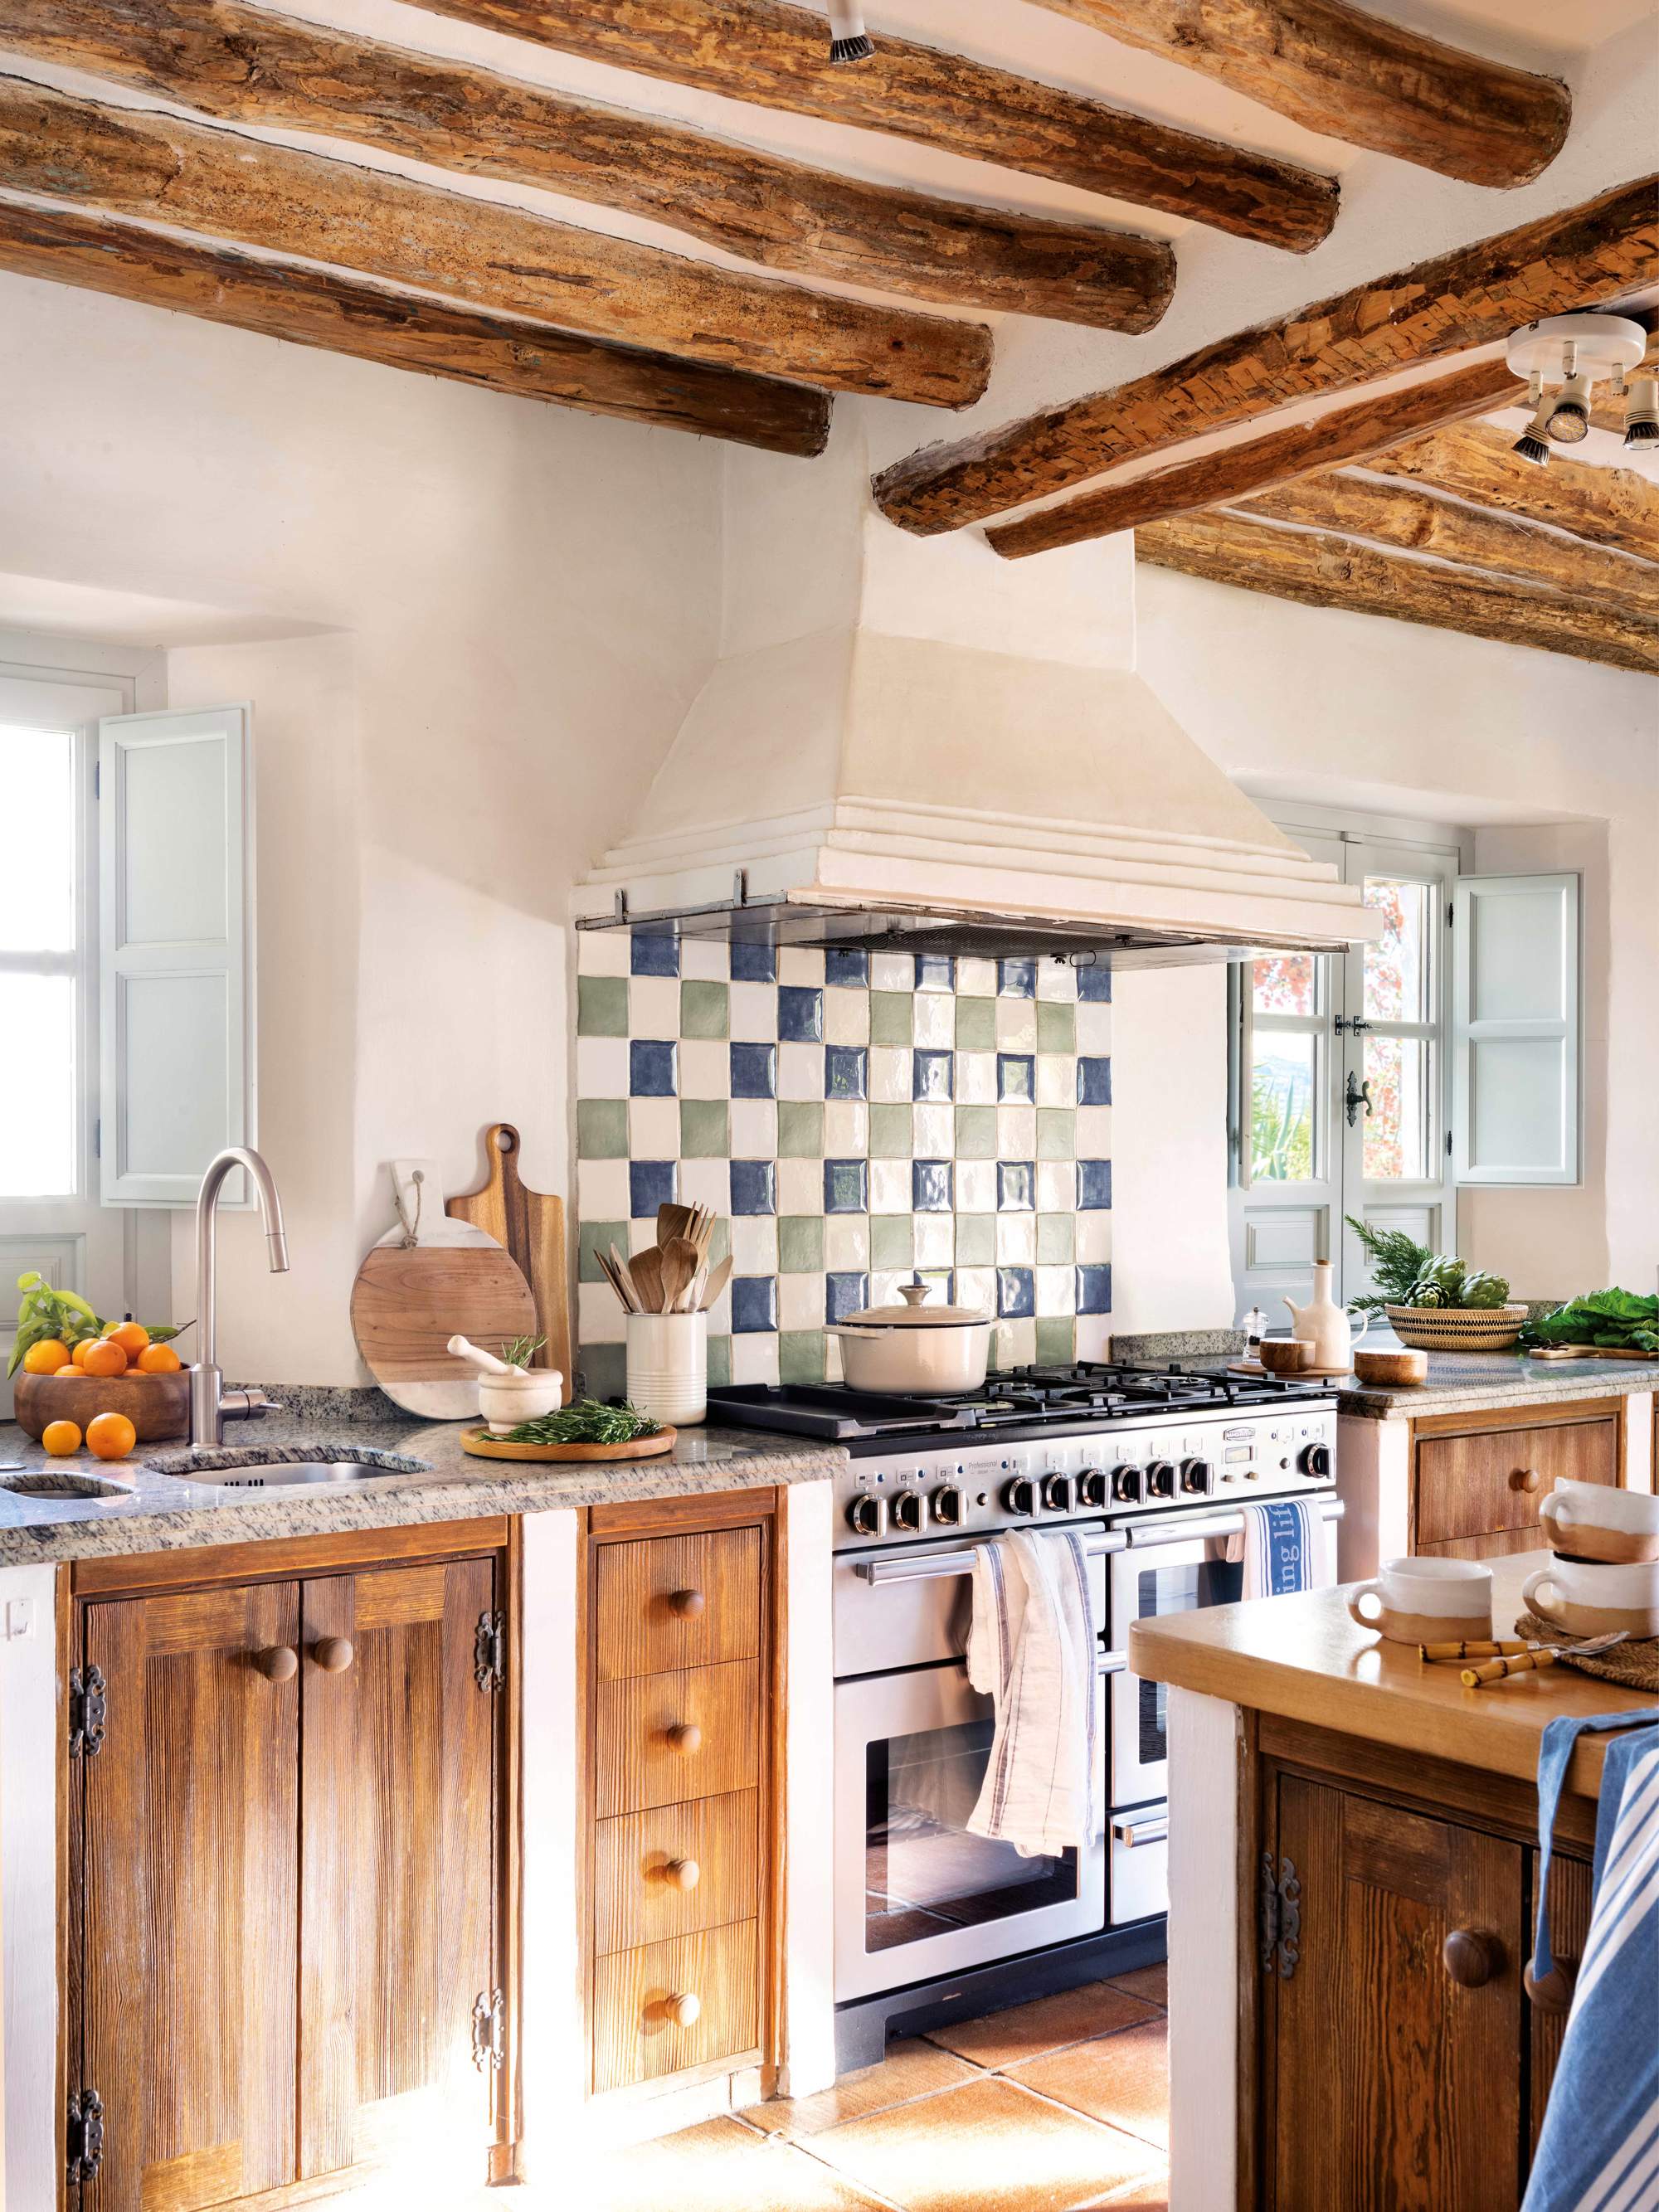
46 1357
60 1438
132 1335
79 1350
104 1359
159 1359
111 1436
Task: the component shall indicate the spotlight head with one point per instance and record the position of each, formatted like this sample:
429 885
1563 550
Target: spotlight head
1532 449
1569 418
849 40
1642 414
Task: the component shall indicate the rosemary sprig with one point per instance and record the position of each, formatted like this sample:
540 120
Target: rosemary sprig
520 1351
586 1422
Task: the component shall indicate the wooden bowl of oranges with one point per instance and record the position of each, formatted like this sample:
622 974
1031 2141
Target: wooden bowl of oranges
109 1392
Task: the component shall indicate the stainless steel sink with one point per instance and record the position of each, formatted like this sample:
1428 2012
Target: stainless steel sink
246 1470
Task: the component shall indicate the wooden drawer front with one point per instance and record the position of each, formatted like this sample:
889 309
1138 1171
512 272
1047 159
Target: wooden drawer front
679 1602
642 1859
636 2038
638 1764
1466 1485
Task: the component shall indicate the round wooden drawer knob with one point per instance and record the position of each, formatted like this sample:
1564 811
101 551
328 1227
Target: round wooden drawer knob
280 1664
687 1603
685 2010
1553 1993
1525 1478
685 1736
683 1874
1471 1958
334 1653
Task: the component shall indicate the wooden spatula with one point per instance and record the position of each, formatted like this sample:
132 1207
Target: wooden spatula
679 1268
626 1287
715 1284
672 1221
646 1267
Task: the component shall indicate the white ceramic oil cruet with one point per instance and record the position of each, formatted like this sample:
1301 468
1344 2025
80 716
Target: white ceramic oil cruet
1324 1323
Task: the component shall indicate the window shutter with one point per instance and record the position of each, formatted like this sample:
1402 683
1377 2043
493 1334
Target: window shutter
176 943
1515 1032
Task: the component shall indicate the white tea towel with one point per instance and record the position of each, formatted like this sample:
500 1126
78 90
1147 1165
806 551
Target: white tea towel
1031 1649
1282 1547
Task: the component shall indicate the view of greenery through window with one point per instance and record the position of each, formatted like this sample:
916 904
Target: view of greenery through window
1285 990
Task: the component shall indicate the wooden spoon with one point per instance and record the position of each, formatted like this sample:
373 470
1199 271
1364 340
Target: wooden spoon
679 1266
617 1280
715 1285
672 1221
646 1267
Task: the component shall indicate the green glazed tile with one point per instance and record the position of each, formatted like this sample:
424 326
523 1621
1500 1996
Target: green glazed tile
1056 1239
602 1125
800 1129
705 1010
800 1245
976 1132
890 1132
601 1006
1056 1026
976 1024
891 1018
705 1127
800 1355
598 1235
1056 1338
892 1239
976 1240
719 1361
605 1370
1057 1131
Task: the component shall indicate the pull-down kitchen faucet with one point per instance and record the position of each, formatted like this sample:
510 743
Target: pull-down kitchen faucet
210 1403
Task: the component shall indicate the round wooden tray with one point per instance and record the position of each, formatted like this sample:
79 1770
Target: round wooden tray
1253 1368
483 1445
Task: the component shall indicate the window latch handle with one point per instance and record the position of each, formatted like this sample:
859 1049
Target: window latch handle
1356 1095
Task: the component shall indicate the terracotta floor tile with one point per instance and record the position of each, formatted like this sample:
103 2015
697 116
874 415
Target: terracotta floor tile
911 2068
1004 2039
1149 2194
1151 1983
985 2146
1123 2079
721 2167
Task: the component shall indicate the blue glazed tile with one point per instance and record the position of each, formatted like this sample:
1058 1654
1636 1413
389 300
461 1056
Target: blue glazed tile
651 1183
844 1295
1016 1186
1016 1077
650 1070
1094 986
754 1187
846 1186
1094 1082
933 1074
1094 1290
753 963
1016 979
1094 1186
754 1070
655 955
1016 1293
754 1304
846 1072
847 968
930 1186
935 971
800 1014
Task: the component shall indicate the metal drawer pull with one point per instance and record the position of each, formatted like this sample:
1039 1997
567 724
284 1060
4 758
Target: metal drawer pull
334 1653
683 1874
685 1736
687 1603
281 1663
685 2010
1131 1833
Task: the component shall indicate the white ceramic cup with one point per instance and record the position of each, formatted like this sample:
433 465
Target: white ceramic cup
1427 1601
1593 1521
1588 1597
668 1366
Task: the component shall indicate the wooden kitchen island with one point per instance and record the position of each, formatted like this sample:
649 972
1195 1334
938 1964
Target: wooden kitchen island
1338 1810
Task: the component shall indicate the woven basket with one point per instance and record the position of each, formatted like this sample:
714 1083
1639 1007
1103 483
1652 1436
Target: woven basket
1457 1329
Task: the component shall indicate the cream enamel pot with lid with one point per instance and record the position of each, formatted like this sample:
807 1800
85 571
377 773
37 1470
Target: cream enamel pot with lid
914 1347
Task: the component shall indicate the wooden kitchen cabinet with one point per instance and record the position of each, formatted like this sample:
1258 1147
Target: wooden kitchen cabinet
1478 1479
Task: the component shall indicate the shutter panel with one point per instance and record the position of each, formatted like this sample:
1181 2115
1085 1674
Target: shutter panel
175 939
1515 1031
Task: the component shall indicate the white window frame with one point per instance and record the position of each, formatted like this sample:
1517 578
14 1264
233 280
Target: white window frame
1567 1028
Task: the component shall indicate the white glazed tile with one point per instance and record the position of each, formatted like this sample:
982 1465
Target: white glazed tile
705 1182
1014 1343
1056 1187
976 1186
600 1316
705 1068
1016 1025
832 1360
602 1067
719 1314
800 964
976 979
892 971
1094 1238
846 1128
1056 1291
1016 1240
933 1131
705 959
890 1074
800 1185
1016 1131
653 1128
977 1287
754 1357
1056 1078
846 1017
1094 1336
800 1070
653 1006
754 1129
1094 1132
884 1286
933 1020
754 1244
846 1242
755 1013
976 1078
602 1189
800 1301
936 1239
1094 1028
889 1186
1057 979
640 1235
602 953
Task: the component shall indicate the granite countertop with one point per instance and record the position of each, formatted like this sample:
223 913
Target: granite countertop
424 1476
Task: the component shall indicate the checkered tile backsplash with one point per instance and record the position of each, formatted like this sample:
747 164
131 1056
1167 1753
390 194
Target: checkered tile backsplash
853 1119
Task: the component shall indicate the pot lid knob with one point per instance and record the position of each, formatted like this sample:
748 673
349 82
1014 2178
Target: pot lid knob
913 1293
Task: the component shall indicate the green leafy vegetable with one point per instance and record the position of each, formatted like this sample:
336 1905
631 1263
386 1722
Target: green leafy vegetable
586 1422
1614 1321
1408 1274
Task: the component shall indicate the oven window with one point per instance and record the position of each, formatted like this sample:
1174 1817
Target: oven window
925 1874
1176 1589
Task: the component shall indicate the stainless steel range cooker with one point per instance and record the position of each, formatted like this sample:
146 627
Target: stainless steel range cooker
1151 1467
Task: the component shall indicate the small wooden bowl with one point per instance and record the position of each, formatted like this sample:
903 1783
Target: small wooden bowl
1286 1355
1392 1368
158 1405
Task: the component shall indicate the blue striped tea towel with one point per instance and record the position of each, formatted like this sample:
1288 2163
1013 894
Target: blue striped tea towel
1283 1547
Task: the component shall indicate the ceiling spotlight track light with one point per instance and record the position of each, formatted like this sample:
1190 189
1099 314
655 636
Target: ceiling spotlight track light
849 40
1578 352
1569 419
1642 414
1532 444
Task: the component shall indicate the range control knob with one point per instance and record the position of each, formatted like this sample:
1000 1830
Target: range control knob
1161 1478
947 1506
1059 1493
1020 1495
1198 1476
1126 1486
868 1514
905 1510
1316 1459
1093 1486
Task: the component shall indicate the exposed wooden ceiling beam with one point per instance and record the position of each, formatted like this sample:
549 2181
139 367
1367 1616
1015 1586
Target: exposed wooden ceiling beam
1470 297
1476 461
1398 515
342 315
1344 433
1322 571
248 65
777 56
1353 77
131 161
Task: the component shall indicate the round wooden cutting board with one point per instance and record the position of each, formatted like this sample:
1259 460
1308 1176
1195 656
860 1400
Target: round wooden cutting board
408 1300
483 1445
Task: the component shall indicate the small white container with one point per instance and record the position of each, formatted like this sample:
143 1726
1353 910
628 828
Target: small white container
668 1366
506 1399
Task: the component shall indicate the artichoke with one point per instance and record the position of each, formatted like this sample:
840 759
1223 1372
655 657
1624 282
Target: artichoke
1485 1291
1428 1291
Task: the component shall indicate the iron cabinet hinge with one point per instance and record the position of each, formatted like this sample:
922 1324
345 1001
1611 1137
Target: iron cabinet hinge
89 1711
1279 1917
489 1651
85 2136
489 2031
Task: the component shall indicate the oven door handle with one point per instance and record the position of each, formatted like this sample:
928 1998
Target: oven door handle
1147 1534
923 1569
1155 1829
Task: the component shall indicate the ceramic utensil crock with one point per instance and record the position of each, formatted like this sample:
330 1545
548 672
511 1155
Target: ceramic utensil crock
668 1366
1426 1601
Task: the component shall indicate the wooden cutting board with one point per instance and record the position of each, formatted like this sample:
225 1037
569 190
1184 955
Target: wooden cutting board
530 1225
408 1300
1586 1351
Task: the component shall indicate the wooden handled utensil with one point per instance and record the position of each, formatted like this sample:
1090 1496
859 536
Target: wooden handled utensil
645 1268
673 1221
1536 1657
679 1269
716 1283
1478 1648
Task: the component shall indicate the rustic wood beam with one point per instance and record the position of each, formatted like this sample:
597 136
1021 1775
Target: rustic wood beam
1398 515
774 55
1343 434
248 65
1322 571
138 162
1352 76
1478 463
1471 297
342 315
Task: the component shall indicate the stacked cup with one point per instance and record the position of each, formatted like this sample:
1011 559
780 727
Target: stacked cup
1604 1573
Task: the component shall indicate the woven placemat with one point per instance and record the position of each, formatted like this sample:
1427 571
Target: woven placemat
1634 1664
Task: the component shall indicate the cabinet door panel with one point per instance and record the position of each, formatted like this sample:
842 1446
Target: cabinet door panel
1393 2088
189 1884
399 1856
